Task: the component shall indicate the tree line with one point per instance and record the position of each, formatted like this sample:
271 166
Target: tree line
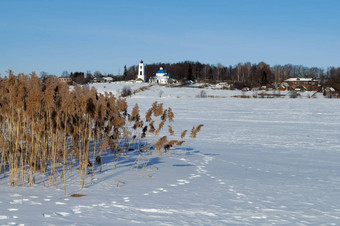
240 75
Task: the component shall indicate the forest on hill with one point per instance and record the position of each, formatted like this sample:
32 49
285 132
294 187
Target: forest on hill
240 75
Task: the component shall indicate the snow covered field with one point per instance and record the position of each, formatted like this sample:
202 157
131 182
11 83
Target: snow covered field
255 162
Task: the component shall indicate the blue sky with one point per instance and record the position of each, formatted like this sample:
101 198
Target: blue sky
103 35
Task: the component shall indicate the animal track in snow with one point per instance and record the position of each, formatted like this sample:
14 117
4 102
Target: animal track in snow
63 214
60 203
157 191
78 209
192 176
16 201
12 209
15 195
20 201
35 203
220 181
200 169
182 181
103 204
162 189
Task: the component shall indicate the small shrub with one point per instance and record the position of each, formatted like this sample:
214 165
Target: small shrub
293 94
126 91
203 94
141 89
161 93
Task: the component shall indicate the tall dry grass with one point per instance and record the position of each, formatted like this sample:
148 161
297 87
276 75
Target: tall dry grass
47 129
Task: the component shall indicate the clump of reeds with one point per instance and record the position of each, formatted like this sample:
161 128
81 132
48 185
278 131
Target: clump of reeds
45 126
195 130
157 118
48 129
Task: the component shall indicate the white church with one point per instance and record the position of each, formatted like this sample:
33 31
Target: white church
159 78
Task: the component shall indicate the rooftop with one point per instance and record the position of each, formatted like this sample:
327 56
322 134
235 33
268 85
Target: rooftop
300 79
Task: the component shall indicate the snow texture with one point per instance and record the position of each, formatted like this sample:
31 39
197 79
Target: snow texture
255 162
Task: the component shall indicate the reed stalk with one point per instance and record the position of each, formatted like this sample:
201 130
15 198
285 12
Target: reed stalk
45 127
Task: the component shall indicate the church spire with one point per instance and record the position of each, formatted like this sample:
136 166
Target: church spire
141 71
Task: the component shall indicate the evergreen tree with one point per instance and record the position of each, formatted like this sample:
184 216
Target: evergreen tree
264 79
125 72
189 73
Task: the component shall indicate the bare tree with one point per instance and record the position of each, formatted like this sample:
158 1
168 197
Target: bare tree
65 74
219 70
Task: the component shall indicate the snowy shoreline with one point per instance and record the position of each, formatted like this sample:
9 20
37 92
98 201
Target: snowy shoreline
256 161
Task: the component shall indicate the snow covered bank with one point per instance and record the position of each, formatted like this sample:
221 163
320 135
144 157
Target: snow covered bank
256 161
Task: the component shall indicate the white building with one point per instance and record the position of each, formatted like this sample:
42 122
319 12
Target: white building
141 72
160 77
107 79
303 83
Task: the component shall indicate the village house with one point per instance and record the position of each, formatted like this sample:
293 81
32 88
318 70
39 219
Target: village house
67 80
96 79
302 84
107 79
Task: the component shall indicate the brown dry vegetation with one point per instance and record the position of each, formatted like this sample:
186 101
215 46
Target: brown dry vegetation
48 129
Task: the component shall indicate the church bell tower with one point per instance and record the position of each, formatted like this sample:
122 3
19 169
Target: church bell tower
141 71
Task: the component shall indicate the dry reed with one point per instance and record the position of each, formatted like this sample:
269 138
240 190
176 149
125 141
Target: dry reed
47 130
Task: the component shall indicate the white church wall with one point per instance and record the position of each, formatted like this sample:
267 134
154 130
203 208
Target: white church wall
141 71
